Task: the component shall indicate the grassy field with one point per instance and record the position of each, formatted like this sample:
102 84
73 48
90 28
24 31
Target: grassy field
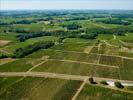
38 89
91 92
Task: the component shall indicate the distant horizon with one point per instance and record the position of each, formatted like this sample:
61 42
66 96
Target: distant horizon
67 9
66 5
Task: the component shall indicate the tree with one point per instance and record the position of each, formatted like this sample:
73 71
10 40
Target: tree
104 83
118 84
3 56
91 80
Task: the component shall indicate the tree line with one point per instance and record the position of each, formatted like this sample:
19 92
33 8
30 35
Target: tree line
115 21
90 33
22 52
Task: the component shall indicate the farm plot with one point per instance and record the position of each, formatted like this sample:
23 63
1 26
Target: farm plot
91 92
40 89
57 54
6 82
21 65
110 60
126 71
126 54
77 68
105 49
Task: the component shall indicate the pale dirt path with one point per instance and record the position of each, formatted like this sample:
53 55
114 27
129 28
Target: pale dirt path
99 59
85 63
80 89
60 76
98 51
114 37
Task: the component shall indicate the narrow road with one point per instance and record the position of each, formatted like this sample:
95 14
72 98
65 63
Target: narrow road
114 37
60 76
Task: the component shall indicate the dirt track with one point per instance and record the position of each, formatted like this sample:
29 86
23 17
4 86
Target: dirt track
60 76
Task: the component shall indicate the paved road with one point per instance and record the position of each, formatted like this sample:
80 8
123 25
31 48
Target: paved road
60 76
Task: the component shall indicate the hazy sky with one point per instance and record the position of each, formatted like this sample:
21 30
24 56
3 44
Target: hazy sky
65 4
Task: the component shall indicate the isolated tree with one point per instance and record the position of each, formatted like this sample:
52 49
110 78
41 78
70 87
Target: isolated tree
91 80
104 83
118 84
